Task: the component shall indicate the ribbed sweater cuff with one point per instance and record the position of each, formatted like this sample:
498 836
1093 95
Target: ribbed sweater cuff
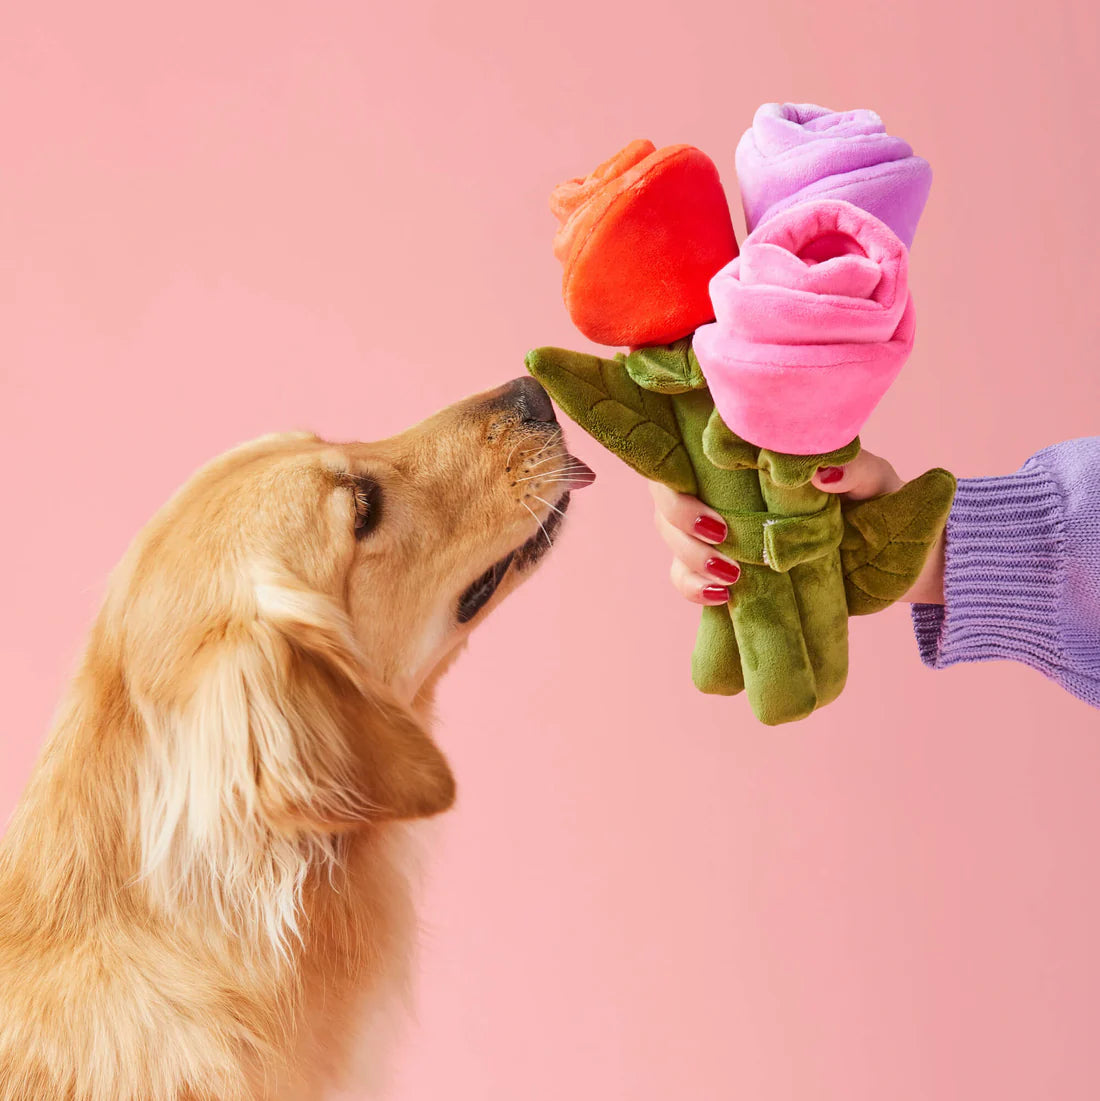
1003 577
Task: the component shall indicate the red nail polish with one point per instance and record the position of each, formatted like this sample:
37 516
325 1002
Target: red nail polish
716 594
725 571
710 529
830 474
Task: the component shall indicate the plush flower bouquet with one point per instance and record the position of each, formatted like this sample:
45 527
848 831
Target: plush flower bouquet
746 372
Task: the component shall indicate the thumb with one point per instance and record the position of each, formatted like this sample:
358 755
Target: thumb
867 475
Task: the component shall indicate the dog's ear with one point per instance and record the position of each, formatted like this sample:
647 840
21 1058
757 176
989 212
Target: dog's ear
282 725
332 745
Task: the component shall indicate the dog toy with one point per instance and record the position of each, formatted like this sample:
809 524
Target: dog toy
638 240
795 152
814 321
805 330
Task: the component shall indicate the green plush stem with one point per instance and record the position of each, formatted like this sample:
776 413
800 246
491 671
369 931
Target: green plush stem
819 592
716 659
807 561
775 663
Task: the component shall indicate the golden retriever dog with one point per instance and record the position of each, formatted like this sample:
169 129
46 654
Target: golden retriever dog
203 891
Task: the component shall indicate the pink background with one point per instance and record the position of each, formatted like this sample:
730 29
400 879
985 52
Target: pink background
243 217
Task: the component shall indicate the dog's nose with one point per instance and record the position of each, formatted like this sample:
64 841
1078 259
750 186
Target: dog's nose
530 400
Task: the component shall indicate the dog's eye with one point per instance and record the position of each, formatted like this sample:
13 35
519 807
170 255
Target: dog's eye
368 505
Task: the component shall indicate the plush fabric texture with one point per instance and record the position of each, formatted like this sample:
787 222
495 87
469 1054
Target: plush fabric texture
783 637
1022 579
639 239
813 322
887 539
796 152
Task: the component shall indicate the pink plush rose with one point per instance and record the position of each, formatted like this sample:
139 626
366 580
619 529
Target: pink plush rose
813 322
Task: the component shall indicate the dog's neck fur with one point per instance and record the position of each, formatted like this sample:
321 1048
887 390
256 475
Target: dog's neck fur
115 940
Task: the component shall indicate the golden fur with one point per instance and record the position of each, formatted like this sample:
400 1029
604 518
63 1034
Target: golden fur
204 888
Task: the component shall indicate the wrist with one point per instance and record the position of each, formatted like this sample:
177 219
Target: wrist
928 588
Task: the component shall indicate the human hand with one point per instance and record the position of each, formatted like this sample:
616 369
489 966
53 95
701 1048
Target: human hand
691 530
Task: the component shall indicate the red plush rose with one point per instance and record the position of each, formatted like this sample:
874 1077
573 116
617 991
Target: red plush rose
640 239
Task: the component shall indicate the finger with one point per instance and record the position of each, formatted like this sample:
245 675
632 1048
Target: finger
699 557
867 475
688 514
699 590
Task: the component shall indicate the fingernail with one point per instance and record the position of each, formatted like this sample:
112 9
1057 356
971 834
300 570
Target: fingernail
829 474
725 571
716 594
710 529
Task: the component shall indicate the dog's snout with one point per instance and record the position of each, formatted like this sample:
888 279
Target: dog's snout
530 400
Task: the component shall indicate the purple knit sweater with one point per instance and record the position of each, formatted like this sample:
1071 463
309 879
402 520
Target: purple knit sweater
1023 571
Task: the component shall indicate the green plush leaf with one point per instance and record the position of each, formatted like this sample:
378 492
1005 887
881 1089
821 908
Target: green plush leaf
798 470
726 449
665 369
729 451
638 425
887 539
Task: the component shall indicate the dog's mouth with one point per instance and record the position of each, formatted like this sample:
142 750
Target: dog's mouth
522 558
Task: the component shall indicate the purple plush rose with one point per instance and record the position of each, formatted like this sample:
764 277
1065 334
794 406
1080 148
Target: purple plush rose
797 152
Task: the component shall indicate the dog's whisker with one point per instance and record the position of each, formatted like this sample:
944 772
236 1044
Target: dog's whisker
556 470
531 452
569 463
542 527
547 483
553 438
547 474
552 459
553 508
